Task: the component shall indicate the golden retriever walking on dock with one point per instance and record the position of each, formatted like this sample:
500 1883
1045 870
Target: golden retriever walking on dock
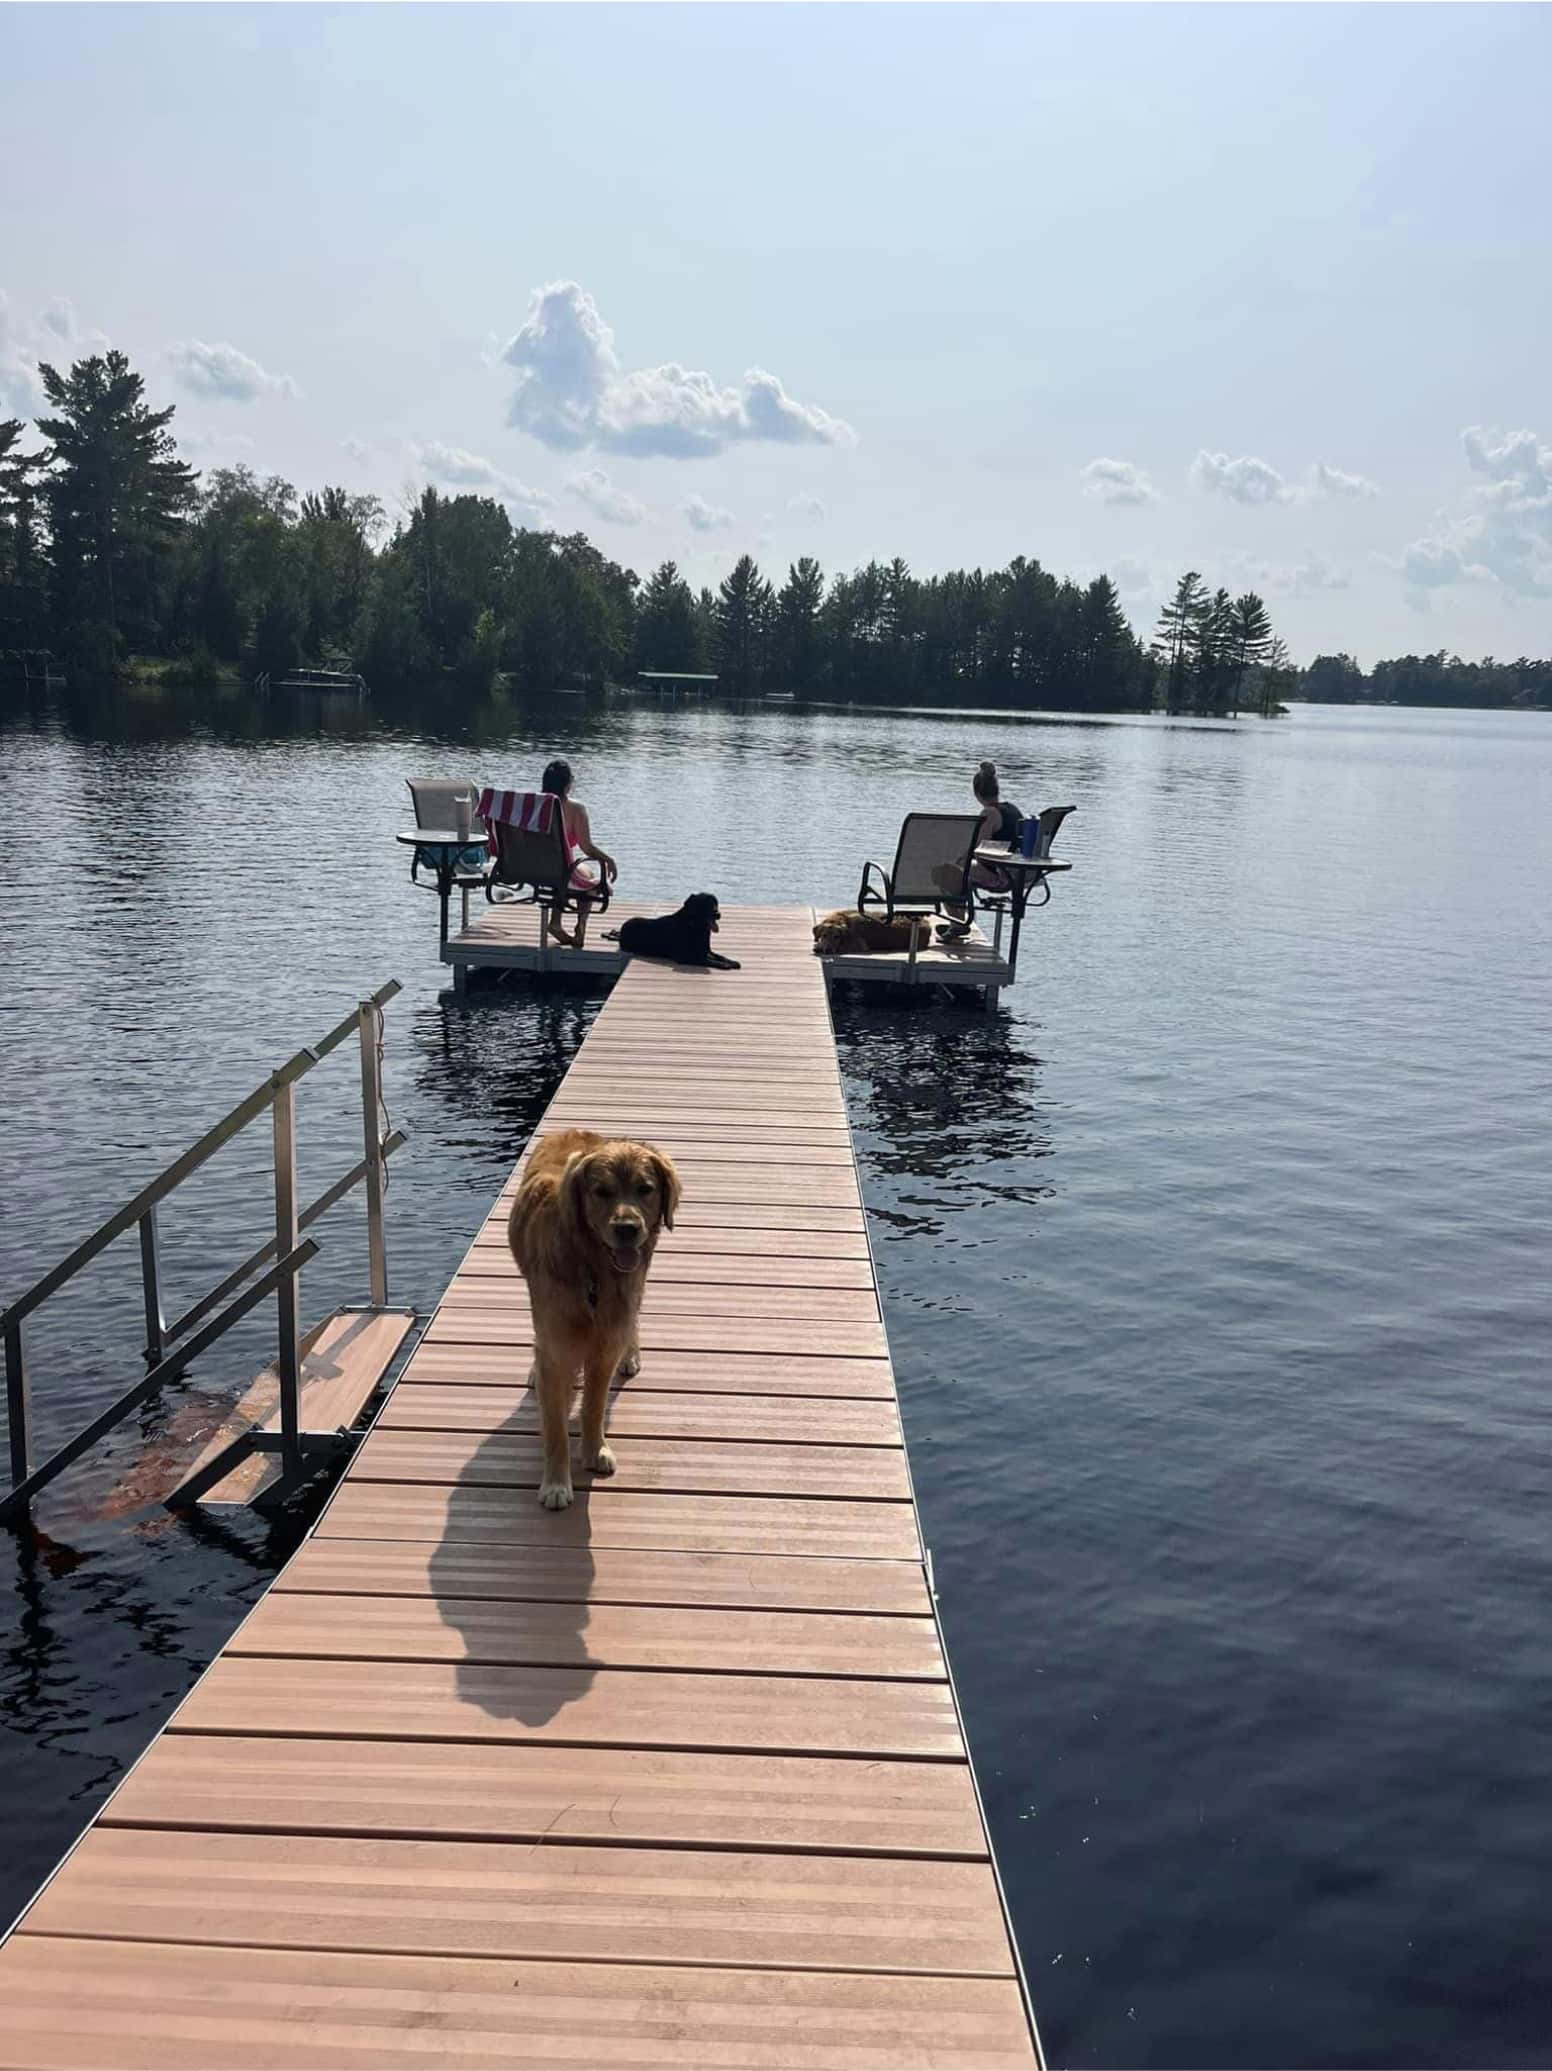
583 1230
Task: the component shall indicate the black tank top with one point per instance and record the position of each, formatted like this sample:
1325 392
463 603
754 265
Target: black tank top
1008 829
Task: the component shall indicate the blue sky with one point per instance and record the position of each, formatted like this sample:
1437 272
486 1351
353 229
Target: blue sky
1284 273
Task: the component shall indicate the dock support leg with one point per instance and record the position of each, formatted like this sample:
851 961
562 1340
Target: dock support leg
17 1405
151 1287
288 1293
371 1122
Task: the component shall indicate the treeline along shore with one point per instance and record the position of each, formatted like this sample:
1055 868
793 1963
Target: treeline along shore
117 556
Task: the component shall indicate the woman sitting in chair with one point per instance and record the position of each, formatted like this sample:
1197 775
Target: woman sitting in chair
589 865
1000 821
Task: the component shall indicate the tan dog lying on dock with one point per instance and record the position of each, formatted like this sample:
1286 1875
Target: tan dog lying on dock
583 1230
850 933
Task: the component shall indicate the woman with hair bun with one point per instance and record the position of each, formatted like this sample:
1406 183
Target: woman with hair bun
589 864
1000 820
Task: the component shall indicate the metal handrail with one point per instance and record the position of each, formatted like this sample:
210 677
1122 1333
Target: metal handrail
287 1247
197 1154
394 1140
285 1272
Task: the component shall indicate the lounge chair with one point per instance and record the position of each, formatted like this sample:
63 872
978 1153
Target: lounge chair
931 869
533 864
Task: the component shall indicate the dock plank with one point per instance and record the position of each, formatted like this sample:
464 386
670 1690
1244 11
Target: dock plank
614 1707
712 1373
675 1264
637 1412
673 1330
249 1782
653 1523
468 1459
595 1575
709 1298
461 1898
586 1633
76 2005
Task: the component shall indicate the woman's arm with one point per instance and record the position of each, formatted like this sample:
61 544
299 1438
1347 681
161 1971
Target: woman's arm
583 835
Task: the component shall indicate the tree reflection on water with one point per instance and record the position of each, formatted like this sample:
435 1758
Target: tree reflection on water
946 1110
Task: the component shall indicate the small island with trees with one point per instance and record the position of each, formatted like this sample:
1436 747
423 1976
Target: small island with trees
118 559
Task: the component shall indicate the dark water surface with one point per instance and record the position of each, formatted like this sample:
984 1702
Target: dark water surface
1215 1266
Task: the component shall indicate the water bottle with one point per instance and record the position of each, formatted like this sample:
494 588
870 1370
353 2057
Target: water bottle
463 812
1029 838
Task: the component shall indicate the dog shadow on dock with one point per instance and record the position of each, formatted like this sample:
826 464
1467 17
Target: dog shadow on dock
516 1582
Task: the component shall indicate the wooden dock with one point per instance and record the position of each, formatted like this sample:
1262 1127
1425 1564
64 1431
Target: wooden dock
675 1777
505 937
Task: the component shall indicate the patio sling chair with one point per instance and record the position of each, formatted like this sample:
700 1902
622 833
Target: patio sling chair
996 899
931 870
435 801
533 863
1050 818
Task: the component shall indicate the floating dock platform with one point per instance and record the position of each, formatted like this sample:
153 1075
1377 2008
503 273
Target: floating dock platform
673 1778
505 937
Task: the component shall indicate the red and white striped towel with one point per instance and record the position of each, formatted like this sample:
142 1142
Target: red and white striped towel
533 811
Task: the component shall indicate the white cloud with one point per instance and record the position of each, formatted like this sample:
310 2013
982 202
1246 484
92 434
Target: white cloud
706 517
606 499
222 374
194 440
55 336
21 392
358 450
1333 481
1302 578
456 468
1130 576
1245 480
1117 481
453 464
572 392
805 506
1504 537
1313 573
65 328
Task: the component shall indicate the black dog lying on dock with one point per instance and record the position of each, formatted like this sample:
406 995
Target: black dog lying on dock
677 938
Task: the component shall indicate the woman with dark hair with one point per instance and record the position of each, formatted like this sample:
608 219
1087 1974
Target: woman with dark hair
1000 821
589 864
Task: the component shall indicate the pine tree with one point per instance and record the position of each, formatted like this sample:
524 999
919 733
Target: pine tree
1212 655
21 548
1277 679
1107 648
745 611
116 496
797 615
896 625
1178 635
667 635
1250 637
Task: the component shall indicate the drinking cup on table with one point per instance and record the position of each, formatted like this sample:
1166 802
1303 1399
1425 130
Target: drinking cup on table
463 809
1029 838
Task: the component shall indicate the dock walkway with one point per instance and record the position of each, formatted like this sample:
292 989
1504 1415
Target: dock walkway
674 1777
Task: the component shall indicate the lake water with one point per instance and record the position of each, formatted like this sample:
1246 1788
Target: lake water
1215 1265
